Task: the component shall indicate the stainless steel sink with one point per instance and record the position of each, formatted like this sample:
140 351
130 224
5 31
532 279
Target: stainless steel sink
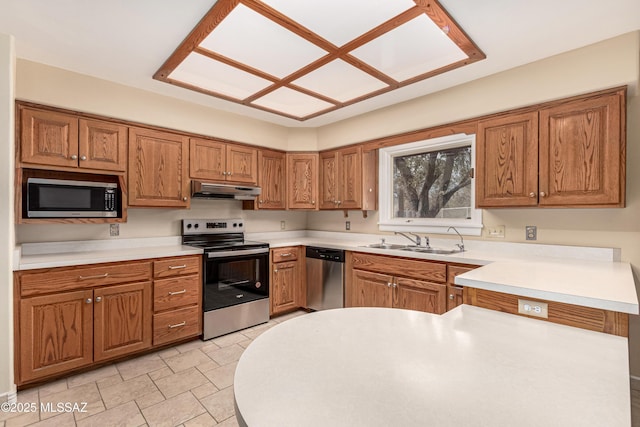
431 250
386 246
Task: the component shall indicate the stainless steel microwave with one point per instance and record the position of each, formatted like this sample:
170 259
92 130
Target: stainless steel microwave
60 198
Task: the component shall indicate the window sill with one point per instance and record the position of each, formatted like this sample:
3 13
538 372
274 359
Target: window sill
416 227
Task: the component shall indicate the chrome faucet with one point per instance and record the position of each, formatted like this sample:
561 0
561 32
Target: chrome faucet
461 244
416 242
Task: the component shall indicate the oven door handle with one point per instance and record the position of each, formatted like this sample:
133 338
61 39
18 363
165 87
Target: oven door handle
226 254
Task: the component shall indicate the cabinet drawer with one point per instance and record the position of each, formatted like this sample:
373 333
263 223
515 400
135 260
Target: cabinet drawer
176 292
456 270
402 267
64 279
285 254
176 324
176 266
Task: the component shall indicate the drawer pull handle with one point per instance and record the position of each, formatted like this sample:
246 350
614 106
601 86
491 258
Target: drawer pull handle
98 299
99 276
451 297
184 291
287 254
177 267
177 325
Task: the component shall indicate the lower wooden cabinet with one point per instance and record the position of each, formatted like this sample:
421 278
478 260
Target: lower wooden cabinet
455 293
71 317
369 288
286 289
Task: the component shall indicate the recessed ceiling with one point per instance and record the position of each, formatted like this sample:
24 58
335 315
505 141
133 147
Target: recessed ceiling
294 59
125 42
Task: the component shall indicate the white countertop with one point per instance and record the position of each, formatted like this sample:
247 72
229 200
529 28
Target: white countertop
470 367
584 276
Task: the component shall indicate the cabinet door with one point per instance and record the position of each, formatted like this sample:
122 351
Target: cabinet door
350 178
102 145
302 180
582 153
507 161
419 295
242 164
122 320
285 292
56 334
48 138
371 289
454 296
207 159
328 181
158 169
272 180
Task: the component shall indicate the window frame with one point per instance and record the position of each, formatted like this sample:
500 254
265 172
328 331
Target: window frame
470 227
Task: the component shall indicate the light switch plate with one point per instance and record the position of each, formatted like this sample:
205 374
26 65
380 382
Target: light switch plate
496 232
347 225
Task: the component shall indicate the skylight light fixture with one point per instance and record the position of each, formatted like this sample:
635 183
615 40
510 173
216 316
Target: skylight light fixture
304 59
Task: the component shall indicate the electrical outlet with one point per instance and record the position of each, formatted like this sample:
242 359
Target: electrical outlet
496 232
531 232
533 308
114 230
282 225
347 225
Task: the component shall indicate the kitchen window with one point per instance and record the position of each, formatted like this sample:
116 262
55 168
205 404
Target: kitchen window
428 186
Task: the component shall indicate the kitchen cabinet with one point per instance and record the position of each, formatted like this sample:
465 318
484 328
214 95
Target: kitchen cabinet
569 153
70 317
220 161
302 181
287 291
158 169
455 293
382 281
177 299
50 138
348 179
272 180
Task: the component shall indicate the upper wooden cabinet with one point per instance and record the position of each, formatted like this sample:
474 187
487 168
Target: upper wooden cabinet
341 179
57 139
302 180
220 161
158 169
568 154
272 180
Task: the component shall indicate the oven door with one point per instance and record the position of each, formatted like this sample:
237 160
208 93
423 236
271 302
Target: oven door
235 277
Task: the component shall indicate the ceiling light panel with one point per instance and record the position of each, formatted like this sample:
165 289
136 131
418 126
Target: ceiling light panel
292 102
339 21
214 76
412 49
340 81
250 38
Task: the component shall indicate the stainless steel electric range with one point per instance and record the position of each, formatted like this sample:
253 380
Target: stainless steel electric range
235 275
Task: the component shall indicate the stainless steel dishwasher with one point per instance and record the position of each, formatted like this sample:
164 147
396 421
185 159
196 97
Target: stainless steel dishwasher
325 278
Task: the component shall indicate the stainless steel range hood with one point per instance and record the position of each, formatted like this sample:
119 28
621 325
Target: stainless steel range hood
209 190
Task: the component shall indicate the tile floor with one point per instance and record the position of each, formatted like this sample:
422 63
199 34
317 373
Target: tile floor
187 385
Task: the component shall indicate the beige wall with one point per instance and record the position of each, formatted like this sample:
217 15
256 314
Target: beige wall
7 77
610 63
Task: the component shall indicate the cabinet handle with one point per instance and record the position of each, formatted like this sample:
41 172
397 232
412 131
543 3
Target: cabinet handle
395 285
88 301
184 291
313 202
83 157
543 194
229 173
532 195
275 271
184 199
261 201
177 325
99 276
339 202
287 254
451 297
74 157
224 173
177 267
98 299
389 285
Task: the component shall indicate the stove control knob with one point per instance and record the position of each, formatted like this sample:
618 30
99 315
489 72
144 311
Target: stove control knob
188 225
235 224
240 225
195 226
